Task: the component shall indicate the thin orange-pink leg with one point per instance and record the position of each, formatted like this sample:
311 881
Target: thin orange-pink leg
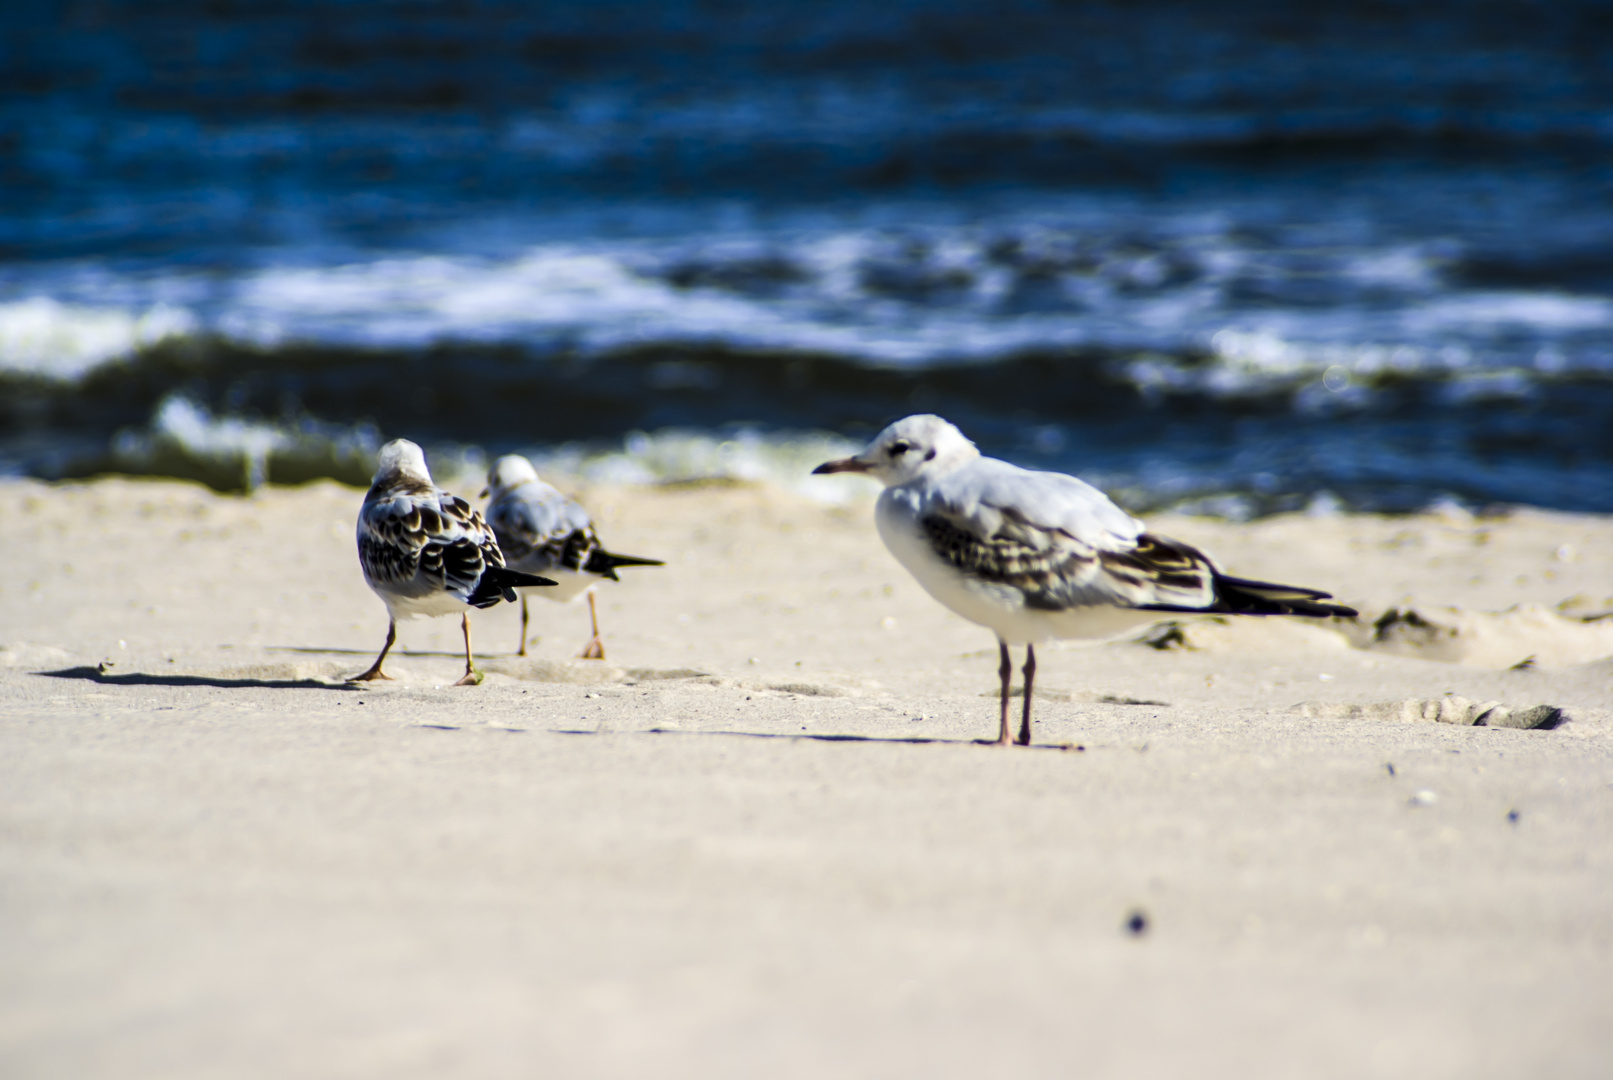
375 671
595 649
472 676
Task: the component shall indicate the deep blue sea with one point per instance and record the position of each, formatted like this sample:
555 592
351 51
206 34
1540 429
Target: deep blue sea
1238 257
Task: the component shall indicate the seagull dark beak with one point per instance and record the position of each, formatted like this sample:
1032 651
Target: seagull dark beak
484 493
848 464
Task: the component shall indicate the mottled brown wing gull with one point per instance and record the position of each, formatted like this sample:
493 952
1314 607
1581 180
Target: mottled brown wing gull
427 553
1034 556
543 532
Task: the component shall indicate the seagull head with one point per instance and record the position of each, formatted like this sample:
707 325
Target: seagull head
401 458
909 449
508 472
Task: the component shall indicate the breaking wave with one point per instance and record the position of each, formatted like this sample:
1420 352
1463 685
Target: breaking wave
231 453
1252 317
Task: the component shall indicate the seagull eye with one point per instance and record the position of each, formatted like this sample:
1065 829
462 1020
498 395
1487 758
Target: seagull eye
900 448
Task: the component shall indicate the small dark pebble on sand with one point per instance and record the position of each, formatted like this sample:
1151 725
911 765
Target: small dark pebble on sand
1137 923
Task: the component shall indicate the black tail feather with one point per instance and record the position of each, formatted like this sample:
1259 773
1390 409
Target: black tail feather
1240 596
604 563
499 583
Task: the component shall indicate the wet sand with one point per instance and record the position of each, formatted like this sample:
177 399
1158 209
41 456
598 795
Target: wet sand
760 838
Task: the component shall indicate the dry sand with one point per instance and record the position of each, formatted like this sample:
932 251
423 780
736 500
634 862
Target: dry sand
760 841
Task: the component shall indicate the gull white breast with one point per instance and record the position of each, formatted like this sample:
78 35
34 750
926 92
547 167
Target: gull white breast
1034 556
426 552
541 531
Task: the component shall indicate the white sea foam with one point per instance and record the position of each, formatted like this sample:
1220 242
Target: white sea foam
602 301
184 438
41 336
782 459
188 439
195 432
1502 310
915 297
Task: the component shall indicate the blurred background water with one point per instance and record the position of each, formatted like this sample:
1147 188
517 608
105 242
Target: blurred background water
1236 256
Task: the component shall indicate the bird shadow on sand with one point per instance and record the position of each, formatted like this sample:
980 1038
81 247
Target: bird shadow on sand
140 678
457 654
896 740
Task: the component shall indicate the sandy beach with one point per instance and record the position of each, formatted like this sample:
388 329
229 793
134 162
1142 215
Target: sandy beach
760 839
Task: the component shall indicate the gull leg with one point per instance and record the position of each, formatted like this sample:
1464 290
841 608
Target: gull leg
1005 673
522 650
375 671
595 649
472 676
1030 679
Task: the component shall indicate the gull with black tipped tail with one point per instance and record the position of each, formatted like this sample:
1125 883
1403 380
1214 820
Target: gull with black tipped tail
543 532
1034 556
427 553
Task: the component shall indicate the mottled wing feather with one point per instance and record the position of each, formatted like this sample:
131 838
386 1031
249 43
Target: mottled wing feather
1158 571
1056 570
426 533
574 550
546 532
1051 568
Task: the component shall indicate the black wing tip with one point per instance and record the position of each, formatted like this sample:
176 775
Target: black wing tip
631 560
504 576
499 583
1240 596
1308 609
1317 610
604 563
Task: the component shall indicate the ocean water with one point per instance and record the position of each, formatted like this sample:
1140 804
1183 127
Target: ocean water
1225 256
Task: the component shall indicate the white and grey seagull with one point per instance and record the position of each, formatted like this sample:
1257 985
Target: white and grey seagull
1033 556
543 532
426 552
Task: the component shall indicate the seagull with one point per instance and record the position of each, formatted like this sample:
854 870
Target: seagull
426 552
1033 556
542 531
